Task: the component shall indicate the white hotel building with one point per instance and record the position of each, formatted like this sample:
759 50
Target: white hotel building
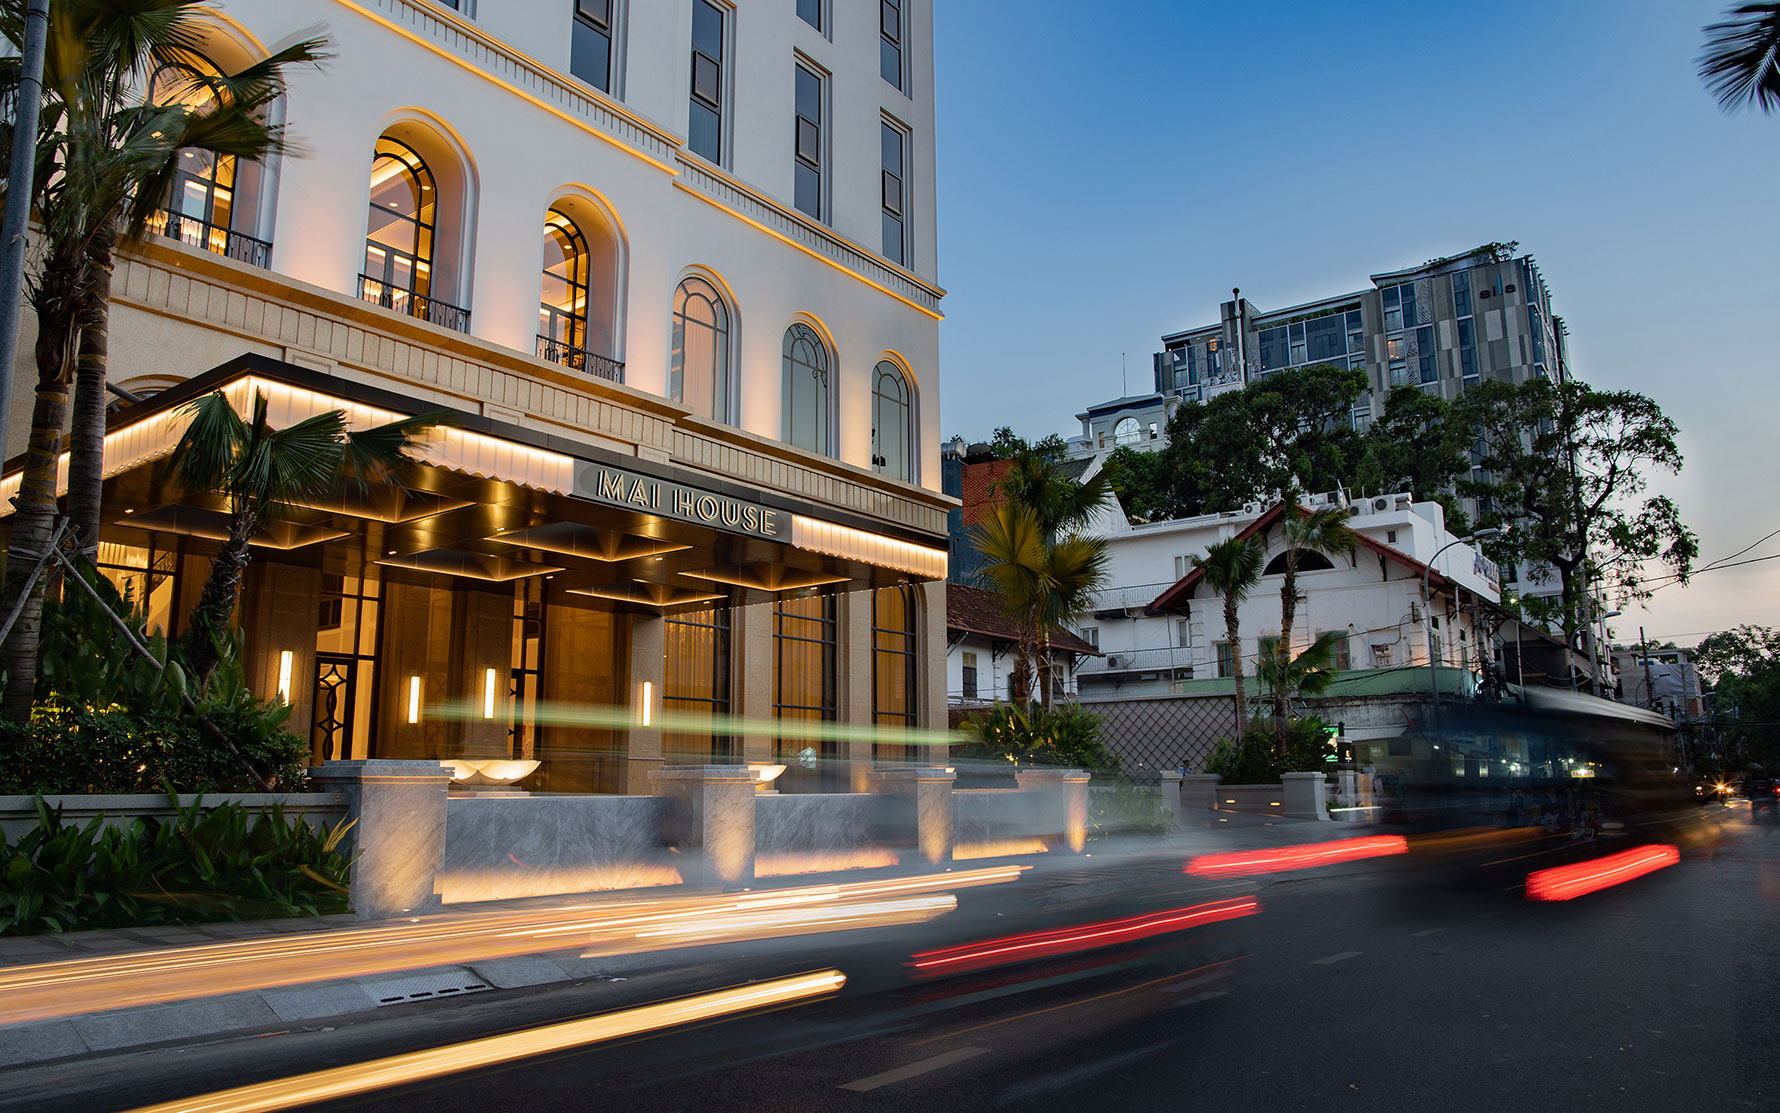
682 246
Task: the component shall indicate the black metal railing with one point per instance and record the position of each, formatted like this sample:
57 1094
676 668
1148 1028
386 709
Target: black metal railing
378 292
206 236
580 359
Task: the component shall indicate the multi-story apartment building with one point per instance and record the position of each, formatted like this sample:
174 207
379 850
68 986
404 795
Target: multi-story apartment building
669 268
1442 326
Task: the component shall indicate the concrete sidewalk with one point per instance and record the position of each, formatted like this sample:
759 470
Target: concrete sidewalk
1113 862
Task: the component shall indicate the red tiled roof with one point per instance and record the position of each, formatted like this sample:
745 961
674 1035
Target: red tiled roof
975 610
1183 589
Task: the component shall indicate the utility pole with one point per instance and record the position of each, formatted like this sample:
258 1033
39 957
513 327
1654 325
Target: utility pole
1644 648
19 190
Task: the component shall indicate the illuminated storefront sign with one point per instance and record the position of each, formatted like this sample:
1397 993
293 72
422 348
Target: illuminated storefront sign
617 487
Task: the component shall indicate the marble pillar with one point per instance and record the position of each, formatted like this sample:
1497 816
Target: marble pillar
714 811
1171 794
397 839
648 642
1199 793
1304 796
924 805
751 642
1066 794
856 696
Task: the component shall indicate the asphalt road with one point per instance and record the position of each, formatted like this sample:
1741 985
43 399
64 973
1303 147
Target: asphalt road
1356 988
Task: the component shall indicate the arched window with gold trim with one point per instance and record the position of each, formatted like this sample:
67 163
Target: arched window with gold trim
891 428
562 305
806 390
698 360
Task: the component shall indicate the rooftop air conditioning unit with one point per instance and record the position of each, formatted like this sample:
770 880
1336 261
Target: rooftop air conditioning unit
1251 508
1379 506
1403 502
1114 661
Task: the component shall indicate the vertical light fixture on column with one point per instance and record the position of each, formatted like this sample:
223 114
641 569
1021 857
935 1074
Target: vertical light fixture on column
648 702
284 661
488 695
414 698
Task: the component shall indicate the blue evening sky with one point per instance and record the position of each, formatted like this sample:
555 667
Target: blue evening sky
1108 172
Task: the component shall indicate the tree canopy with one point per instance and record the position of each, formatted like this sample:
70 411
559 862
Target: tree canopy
1562 471
1414 444
1743 667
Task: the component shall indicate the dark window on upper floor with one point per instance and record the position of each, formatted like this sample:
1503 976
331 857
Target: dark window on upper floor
810 11
1461 294
806 164
590 43
890 39
704 120
895 192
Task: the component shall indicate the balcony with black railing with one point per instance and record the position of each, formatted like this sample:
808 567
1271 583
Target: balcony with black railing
205 236
433 311
580 359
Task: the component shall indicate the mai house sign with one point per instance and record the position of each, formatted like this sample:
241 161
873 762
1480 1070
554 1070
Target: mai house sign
617 487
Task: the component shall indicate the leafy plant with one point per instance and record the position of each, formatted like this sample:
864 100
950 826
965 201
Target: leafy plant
1125 809
1257 758
1065 736
201 865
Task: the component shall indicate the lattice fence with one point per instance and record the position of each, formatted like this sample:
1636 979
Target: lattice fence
1152 734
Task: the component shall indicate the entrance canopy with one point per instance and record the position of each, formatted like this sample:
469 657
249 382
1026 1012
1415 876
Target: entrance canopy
495 502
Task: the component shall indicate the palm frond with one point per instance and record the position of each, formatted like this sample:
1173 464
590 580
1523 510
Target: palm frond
212 441
1232 567
381 453
298 461
1741 62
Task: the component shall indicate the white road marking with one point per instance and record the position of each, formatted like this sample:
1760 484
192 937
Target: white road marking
1333 958
943 1059
1427 931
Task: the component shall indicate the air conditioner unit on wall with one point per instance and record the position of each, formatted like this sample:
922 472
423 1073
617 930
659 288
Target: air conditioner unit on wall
1113 661
1381 505
1251 508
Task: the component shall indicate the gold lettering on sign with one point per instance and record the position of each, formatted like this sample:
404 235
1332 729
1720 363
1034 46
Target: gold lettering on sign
638 493
682 501
750 518
732 512
611 485
769 523
707 508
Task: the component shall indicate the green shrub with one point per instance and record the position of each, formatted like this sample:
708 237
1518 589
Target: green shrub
1125 809
109 718
1066 736
200 866
1256 758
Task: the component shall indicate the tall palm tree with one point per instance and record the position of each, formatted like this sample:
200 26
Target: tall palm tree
1232 568
105 162
1741 62
259 471
1042 584
1322 531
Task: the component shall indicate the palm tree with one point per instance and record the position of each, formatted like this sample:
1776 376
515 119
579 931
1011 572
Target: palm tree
1232 568
1042 584
1321 531
259 471
1741 62
1309 673
105 163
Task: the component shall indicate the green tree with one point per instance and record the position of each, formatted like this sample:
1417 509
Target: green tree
1414 444
1282 677
259 471
1563 468
1743 668
1290 431
1741 62
1233 568
1322 531
105 163
1140 480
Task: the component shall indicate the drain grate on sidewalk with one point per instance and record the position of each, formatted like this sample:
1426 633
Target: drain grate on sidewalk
424 987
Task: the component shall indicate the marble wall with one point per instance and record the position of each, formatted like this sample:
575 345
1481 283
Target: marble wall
809 833
524 846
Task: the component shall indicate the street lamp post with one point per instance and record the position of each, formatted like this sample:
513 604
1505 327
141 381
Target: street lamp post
1428 615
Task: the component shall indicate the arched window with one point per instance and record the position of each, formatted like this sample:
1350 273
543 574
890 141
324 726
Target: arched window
698 361
1127 431
890 426
213 200
806 390
562 306
1307 562
399 232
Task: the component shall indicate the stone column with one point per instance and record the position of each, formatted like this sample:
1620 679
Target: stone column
1171 794
648 643
924 797
1066 792
1199 792
751 643
715 806
855 696
398 834
1304 796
